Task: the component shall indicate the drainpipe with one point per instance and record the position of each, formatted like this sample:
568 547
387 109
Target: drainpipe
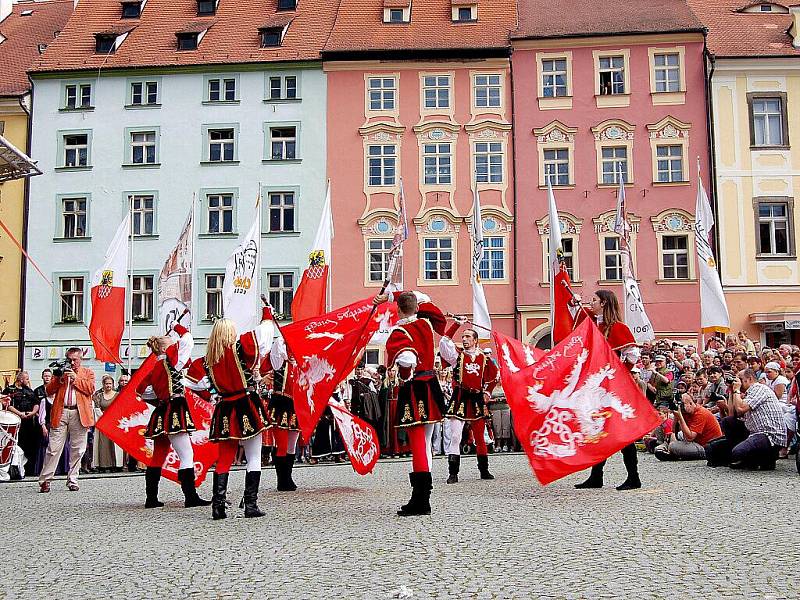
515 220
23 278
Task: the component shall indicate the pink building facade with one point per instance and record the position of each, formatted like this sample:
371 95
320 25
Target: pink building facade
583 108
444 128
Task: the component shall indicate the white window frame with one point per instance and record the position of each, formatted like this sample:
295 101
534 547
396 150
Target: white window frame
489 162
144 297
441 85
76 214
144 144
615 161
281 209
486 100
385 161
556 161
213 294
494 251
140 210
277 295
668 174
436 253
380 248
382 93
437 163
74 298
675 253
221 209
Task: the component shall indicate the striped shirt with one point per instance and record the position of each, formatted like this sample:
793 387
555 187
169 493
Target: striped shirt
765 414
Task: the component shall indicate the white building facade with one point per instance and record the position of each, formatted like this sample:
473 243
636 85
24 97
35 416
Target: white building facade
156 140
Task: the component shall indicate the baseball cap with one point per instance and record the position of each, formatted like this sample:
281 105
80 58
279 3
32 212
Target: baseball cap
660 357
772 366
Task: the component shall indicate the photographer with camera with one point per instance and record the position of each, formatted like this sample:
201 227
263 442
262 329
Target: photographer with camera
72 415
695 427
715 395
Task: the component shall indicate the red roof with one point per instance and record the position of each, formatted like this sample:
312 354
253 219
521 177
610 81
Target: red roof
734 33
542 19
360 28
23 35
234 37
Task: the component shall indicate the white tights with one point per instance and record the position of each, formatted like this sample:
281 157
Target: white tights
182 444
252 452
456 429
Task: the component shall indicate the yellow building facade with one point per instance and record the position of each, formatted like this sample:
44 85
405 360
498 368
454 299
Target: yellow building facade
756 125
14 124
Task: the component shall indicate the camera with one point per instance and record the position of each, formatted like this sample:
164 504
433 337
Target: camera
59 366
729 378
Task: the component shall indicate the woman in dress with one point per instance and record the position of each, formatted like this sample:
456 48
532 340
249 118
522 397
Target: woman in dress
106 451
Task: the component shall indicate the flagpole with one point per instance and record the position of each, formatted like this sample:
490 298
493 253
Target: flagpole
260 241
130 283
191 274
329 259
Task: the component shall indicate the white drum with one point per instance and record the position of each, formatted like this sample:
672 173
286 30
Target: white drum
9 431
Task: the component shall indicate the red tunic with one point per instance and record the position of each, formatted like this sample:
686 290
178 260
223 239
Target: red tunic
619 337
232 374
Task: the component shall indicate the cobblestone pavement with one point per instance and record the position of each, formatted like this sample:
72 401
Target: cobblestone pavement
692 532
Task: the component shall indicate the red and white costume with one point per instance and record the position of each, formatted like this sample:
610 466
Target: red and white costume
281 414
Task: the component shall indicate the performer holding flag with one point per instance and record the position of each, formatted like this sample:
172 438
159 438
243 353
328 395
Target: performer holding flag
227 372
170 423
474 378
281 414
605 311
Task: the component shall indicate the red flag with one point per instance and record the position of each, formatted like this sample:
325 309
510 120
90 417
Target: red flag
125 420
359 437
326 349
563 319
576 406
108 297
310 299
513 355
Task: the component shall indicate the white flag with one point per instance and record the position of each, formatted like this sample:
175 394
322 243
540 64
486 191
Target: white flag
480 310
240 289
175 279
635 317
713 309
555 244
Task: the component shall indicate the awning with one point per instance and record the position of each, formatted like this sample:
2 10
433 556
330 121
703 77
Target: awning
13 162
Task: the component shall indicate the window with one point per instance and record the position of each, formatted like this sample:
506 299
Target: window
73 218
143 148
493 261
774 220
436 91
382 91
104 43
220 213
554 77
222 90
669 163
71 295
78 96
667 72
378 259
437 164
144 93
142 297
283 143
282 88
612 75
675 256
397 15
556 166
768 126
206 7
281 212
488 162
221 145
372 356
568 254
187 40
465 13
143 214
271 37
287 4
382 164
613 159
76 150
487 91
214 283
438 258
131 10
612 259
281 292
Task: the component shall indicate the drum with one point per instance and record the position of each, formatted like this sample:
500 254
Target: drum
9 430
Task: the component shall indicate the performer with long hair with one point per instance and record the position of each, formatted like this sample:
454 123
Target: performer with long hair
420 401
604 310
170 423
281 415
226 371
474 378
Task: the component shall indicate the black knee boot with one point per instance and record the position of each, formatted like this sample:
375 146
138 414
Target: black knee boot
420 503
251 482
631 460
190 497
595 478
290 484
453 465
152 476
218 500
483 467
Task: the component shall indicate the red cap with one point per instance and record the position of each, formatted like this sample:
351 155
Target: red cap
179 329
266 314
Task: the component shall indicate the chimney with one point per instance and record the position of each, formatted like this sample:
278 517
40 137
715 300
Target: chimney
6 6
794 30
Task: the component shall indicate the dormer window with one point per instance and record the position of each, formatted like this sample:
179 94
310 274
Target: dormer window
271 37
765 7
464 11
131 9
188 40
287 4
206 7
396 11
104 43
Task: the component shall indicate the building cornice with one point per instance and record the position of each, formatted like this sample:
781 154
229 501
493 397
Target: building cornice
379 65
754 64
625 39
177 70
